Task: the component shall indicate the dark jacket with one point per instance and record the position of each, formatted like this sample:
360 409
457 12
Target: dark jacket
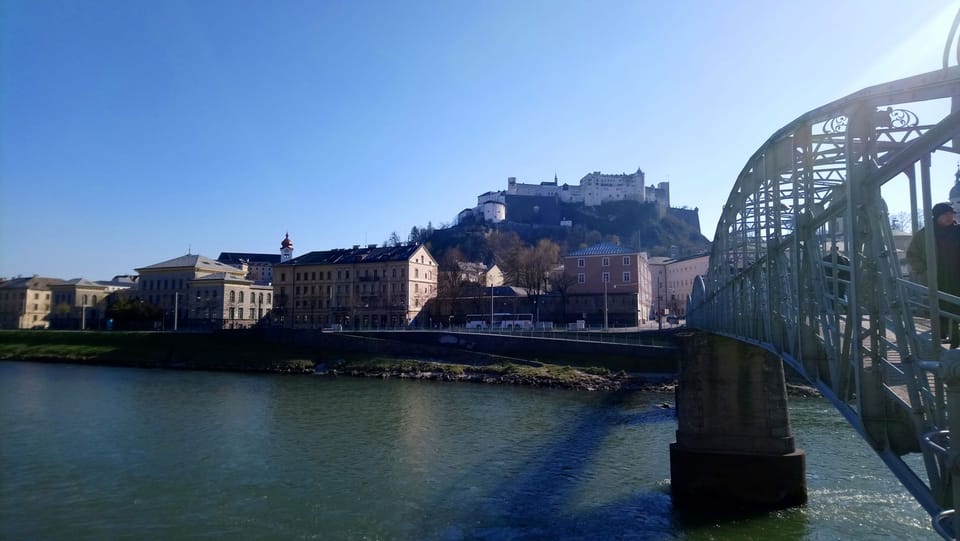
947 242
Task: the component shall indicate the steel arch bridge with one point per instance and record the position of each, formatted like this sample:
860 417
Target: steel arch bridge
805 264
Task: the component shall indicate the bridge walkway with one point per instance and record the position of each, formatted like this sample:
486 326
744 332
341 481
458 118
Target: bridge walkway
805 246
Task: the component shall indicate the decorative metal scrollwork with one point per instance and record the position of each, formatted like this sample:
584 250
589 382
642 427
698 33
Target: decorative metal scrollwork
884 118
835 125
902 118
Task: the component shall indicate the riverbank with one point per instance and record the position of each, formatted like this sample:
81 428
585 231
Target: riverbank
245 353
236 352
502 373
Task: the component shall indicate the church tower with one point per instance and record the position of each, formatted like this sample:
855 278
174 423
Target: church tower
286 249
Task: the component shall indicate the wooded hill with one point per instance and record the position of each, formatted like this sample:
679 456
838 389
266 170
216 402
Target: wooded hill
628 223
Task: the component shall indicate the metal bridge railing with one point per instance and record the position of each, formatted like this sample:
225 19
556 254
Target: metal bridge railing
806 263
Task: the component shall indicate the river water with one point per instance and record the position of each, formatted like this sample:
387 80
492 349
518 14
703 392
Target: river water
122 453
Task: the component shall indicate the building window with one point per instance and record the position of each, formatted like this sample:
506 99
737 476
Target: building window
298 277
416 273
581 278
240 297
581 263
605 277
231 313
268 298
605 262
626 277
313 275
233 297
283 277
626 260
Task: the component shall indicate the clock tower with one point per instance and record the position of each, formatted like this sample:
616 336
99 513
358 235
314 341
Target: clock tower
286 249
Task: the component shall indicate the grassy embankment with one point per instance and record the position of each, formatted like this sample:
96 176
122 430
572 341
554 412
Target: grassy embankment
247 352
221 351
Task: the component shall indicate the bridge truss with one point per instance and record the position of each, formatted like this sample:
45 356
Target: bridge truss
805 263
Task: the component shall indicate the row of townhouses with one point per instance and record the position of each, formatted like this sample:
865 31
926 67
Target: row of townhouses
371 286
366 287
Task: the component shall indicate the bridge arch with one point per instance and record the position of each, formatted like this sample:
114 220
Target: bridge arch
806 264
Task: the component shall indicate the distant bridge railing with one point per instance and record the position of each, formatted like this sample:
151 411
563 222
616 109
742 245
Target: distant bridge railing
806 264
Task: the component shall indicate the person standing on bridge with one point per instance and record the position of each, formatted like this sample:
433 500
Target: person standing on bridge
946 234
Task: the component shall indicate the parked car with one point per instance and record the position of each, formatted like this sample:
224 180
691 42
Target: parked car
672 319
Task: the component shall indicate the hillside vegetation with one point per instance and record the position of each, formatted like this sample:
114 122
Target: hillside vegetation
628 223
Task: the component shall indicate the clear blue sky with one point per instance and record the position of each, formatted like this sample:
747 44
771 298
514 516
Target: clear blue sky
132 131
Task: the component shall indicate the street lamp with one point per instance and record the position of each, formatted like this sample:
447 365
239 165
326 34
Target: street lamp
660 286
605 310
491 306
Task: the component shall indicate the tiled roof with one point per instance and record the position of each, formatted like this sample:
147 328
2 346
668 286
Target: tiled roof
191 261
601 249
33 282
117 283
217 276
355 255
504 291
80 282
234 258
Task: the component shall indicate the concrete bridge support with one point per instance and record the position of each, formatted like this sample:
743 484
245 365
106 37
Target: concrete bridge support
734 448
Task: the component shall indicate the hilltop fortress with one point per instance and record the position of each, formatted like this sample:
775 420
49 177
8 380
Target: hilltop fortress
540 203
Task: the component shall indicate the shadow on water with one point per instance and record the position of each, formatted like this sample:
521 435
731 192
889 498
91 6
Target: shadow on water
535 504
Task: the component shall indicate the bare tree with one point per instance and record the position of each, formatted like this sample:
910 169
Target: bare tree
900 221
531 267
393 240
561 282
449 282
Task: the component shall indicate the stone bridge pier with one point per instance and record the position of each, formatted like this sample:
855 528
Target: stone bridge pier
734 448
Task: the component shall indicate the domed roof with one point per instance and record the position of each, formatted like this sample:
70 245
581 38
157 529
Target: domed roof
287 243
955 191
